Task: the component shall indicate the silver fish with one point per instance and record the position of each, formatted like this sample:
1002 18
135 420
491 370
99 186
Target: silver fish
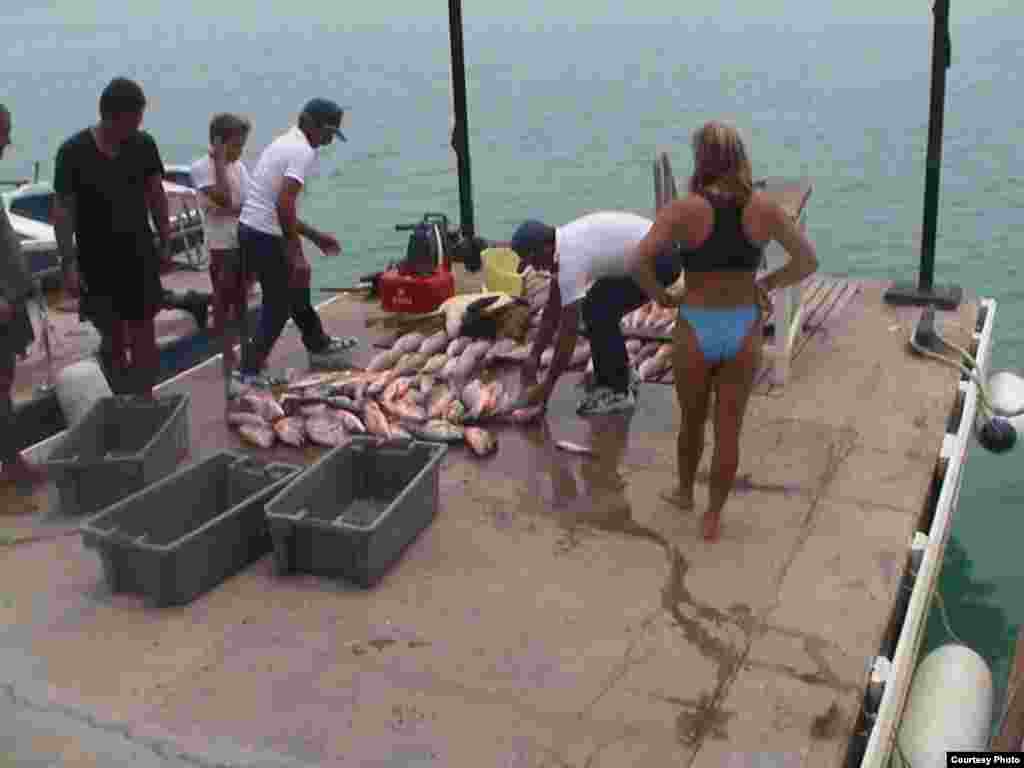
326 430
515 354
410 342
435 431
643 313
384 360
311 380
263 437
345 403
410 363
449 368
240 418
633 346
312 410
262 404
654 366
565 445
435 344
501 347
469 359
457 345
435 363
350 421
646 351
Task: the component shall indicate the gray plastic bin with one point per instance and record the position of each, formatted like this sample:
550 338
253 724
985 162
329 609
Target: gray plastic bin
122 444
354 512
189 532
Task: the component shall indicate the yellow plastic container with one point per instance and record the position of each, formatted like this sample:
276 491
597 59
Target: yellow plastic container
500 265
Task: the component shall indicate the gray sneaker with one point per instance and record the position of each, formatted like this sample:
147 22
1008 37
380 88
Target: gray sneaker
336 355
240 382
594 394
607 402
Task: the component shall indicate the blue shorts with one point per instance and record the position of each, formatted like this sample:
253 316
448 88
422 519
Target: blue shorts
720 332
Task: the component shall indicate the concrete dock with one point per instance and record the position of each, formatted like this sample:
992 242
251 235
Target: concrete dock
557 613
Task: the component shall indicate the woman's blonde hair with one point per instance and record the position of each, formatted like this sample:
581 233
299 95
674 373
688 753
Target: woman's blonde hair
720 163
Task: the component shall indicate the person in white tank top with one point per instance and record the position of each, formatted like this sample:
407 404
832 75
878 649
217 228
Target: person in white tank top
590 258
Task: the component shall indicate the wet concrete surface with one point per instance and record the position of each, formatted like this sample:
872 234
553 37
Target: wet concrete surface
558 612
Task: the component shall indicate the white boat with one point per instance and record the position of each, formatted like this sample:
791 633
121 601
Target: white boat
29 207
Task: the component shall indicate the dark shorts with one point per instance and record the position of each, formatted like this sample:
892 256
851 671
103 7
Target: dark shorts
230 286
17 335
123 284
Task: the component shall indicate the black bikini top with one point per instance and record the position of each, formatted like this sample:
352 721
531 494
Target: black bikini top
727 248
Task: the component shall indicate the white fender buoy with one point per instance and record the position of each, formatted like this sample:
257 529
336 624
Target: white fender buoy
78 387
1006 391
949 707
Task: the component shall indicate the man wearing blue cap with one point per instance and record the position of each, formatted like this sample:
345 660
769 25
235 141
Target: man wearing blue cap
269 238
589 259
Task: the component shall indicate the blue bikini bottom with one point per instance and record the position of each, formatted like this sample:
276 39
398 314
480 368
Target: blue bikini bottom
720 332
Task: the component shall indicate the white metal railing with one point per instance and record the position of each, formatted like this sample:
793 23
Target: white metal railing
885 730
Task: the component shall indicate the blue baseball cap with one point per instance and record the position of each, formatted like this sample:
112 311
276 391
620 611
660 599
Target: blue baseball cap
326 114
531 236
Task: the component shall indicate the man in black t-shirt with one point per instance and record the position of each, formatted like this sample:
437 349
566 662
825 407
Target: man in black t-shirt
108 180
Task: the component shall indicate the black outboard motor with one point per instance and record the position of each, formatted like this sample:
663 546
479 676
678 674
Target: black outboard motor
429 245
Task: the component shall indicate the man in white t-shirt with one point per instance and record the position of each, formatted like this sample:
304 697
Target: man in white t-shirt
222 179
589 259
269 236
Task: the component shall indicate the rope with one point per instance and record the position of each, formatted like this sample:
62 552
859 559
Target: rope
983 397
945 619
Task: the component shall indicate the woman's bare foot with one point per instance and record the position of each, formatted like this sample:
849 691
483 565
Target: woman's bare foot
678 498
712 524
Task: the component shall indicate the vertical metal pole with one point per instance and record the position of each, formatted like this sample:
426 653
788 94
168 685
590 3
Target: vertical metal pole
933 168
460 136
925 292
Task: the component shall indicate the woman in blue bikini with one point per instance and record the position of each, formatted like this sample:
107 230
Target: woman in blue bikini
723 226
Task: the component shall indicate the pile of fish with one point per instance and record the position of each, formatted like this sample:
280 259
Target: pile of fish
423 387
430 387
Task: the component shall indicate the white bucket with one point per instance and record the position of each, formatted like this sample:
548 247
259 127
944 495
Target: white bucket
78 387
